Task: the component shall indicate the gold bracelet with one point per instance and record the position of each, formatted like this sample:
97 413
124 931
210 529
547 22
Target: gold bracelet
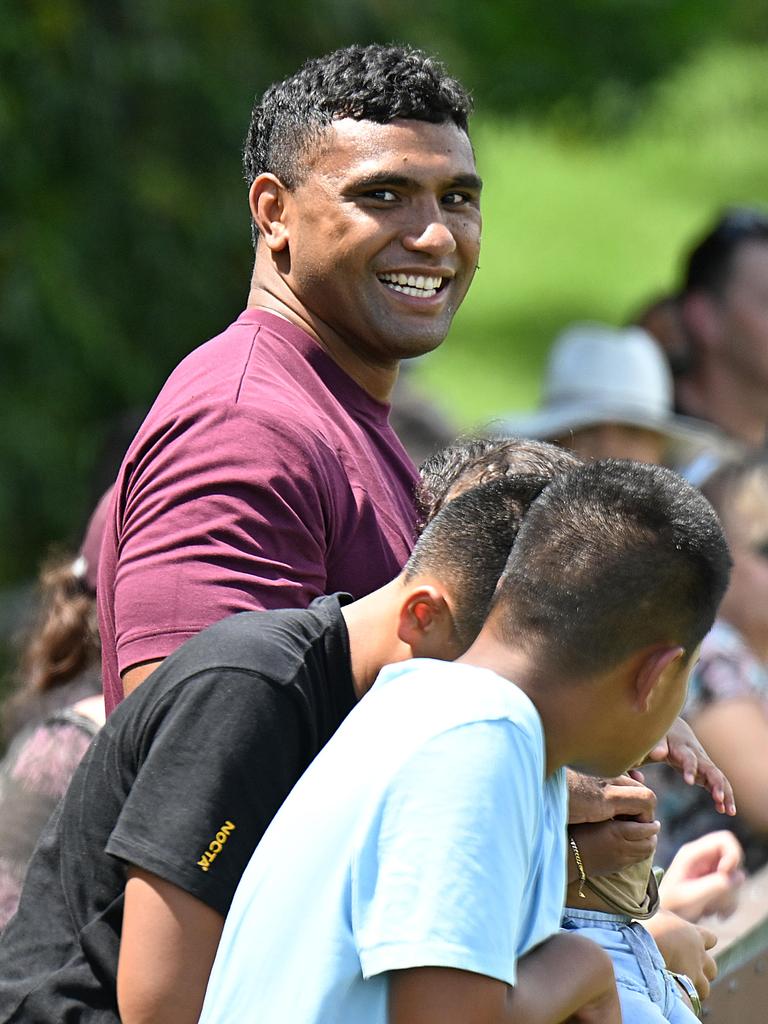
579 865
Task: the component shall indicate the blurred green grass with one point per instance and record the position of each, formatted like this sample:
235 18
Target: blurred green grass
577 226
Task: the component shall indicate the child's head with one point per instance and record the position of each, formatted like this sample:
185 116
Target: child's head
615 564
478 460
477 492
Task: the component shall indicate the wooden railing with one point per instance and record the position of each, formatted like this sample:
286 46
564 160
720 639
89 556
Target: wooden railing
740 992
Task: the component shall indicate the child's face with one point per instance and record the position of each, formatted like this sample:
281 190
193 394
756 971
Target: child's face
642 728
666 701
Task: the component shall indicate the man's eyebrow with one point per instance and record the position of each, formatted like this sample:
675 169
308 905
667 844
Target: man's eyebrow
470 181
383 178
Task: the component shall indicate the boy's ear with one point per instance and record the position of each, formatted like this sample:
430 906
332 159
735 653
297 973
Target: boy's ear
424 613
650 672
266 198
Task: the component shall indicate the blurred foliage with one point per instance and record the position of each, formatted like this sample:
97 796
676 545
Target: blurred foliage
124 236
575 229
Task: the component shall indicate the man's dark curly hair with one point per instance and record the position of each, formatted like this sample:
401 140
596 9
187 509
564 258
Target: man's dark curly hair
368 83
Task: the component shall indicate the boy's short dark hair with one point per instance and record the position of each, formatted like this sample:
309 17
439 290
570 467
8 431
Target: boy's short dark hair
709 263
467 544
612 557
367 83
478 459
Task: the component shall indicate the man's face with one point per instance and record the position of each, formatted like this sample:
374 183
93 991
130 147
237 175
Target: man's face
743 313
384 235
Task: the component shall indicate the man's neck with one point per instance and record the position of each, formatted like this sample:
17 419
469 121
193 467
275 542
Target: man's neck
718 395
377 380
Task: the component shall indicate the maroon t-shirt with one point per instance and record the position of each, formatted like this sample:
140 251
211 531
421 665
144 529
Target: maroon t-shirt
262 477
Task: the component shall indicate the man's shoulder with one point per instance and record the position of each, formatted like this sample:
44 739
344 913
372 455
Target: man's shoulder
257 363
249 391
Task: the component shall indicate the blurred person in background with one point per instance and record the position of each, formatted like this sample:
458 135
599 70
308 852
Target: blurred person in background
714 332
608 394
56 710
661 319
727 704
724 314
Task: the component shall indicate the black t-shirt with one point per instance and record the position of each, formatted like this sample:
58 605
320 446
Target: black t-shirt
182 781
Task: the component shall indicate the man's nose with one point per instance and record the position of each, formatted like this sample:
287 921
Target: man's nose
431 235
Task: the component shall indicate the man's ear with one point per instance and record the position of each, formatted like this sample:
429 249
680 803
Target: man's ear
424 617
266 198
650 672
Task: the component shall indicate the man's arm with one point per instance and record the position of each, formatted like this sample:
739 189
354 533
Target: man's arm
241 528
135 676
568 977
168 944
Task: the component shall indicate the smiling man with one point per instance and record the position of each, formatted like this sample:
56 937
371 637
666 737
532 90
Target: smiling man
266 473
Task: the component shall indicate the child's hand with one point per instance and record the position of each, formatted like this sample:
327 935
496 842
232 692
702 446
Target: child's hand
609 846
591 799
704 877
684 947
681 749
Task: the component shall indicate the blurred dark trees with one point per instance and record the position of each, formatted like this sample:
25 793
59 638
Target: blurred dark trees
124 237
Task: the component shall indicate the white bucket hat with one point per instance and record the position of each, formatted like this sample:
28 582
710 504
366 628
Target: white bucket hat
601 374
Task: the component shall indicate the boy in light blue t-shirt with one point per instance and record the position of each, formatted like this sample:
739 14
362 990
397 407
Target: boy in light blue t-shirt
417 871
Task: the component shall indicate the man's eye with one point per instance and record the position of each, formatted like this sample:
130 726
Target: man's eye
383 195
456 199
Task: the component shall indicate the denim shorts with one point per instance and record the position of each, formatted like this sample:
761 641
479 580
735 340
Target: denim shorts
647 993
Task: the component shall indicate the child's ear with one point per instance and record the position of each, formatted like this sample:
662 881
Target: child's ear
651 671
426 624
420 613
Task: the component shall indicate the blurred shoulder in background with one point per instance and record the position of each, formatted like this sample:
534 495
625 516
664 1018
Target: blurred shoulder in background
56 709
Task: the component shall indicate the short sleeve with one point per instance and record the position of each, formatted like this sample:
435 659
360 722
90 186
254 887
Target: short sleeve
440 877
219 760
226 513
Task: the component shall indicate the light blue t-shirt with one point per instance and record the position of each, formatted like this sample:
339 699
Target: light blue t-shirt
424 834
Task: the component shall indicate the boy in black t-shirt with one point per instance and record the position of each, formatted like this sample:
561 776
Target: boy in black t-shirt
126 895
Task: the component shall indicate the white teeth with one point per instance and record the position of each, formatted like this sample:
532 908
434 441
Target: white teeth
418 286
